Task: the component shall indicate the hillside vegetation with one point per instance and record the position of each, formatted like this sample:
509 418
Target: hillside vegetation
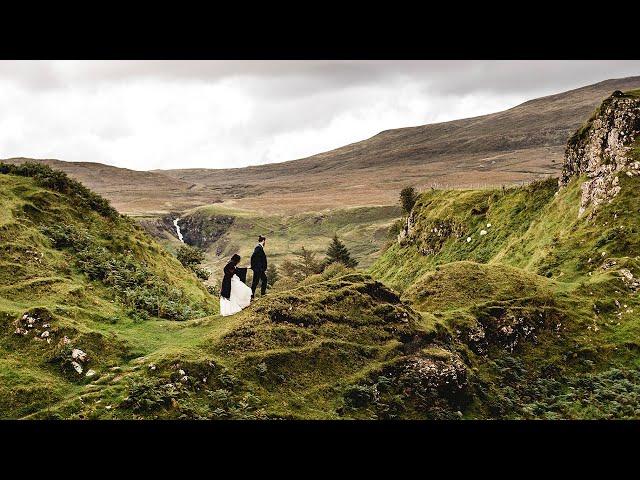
539 297
519 302
72 270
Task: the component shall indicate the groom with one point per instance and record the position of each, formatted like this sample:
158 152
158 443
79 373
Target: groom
259 267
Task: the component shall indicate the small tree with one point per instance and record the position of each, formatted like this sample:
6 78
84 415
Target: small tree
408 198
272 274
188 255
338 252
291 270
191 257
308 263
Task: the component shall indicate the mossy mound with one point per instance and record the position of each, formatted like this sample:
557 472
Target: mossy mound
540 303
72 272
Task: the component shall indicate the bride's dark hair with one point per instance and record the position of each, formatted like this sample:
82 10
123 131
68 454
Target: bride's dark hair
235 259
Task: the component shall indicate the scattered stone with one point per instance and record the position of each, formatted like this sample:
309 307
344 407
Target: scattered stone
77 367
182 372
78 354
468 239
488 225
626 273
44 334
483 232
90 373
152 366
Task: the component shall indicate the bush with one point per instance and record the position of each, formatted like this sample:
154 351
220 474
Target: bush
408 198
135 285
304 265
59 181
272 274
191 257
395 228
358 396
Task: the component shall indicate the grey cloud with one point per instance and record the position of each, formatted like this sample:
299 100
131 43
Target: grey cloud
290 99
296 78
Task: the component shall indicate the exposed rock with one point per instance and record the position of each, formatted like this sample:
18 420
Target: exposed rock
160 227
202 230
77 367
435 373
600 149
431 236
407 231
78 354
29 322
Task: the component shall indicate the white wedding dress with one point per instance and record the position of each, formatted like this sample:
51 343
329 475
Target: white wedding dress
240 298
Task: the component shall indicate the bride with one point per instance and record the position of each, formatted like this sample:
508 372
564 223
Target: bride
234 294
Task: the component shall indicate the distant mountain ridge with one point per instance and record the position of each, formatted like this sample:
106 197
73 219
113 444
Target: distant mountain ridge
516 145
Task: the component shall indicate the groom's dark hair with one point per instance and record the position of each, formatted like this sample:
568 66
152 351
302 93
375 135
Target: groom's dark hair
261 239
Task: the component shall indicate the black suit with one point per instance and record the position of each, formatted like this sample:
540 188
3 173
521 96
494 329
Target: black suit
259 267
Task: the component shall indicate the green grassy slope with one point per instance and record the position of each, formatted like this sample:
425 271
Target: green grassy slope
74 278
543 306
505 304
88 278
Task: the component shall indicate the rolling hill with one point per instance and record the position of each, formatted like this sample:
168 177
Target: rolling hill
517 145
520 144
516 302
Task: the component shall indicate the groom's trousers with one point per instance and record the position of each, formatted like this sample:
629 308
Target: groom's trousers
259 275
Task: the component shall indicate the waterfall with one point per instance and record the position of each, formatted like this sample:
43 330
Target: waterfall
175 223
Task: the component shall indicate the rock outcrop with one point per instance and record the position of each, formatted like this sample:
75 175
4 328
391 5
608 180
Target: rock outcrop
202 230
601 149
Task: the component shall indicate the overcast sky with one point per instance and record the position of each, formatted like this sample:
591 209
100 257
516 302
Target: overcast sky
222 114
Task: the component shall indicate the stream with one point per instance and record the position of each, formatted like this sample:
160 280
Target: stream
175 223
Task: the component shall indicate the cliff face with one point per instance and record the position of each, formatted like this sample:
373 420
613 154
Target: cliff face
202 230
603 147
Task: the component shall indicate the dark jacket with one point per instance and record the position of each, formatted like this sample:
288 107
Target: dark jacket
229 271
259 259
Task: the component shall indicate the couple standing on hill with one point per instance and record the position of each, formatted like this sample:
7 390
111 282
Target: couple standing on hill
234 294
